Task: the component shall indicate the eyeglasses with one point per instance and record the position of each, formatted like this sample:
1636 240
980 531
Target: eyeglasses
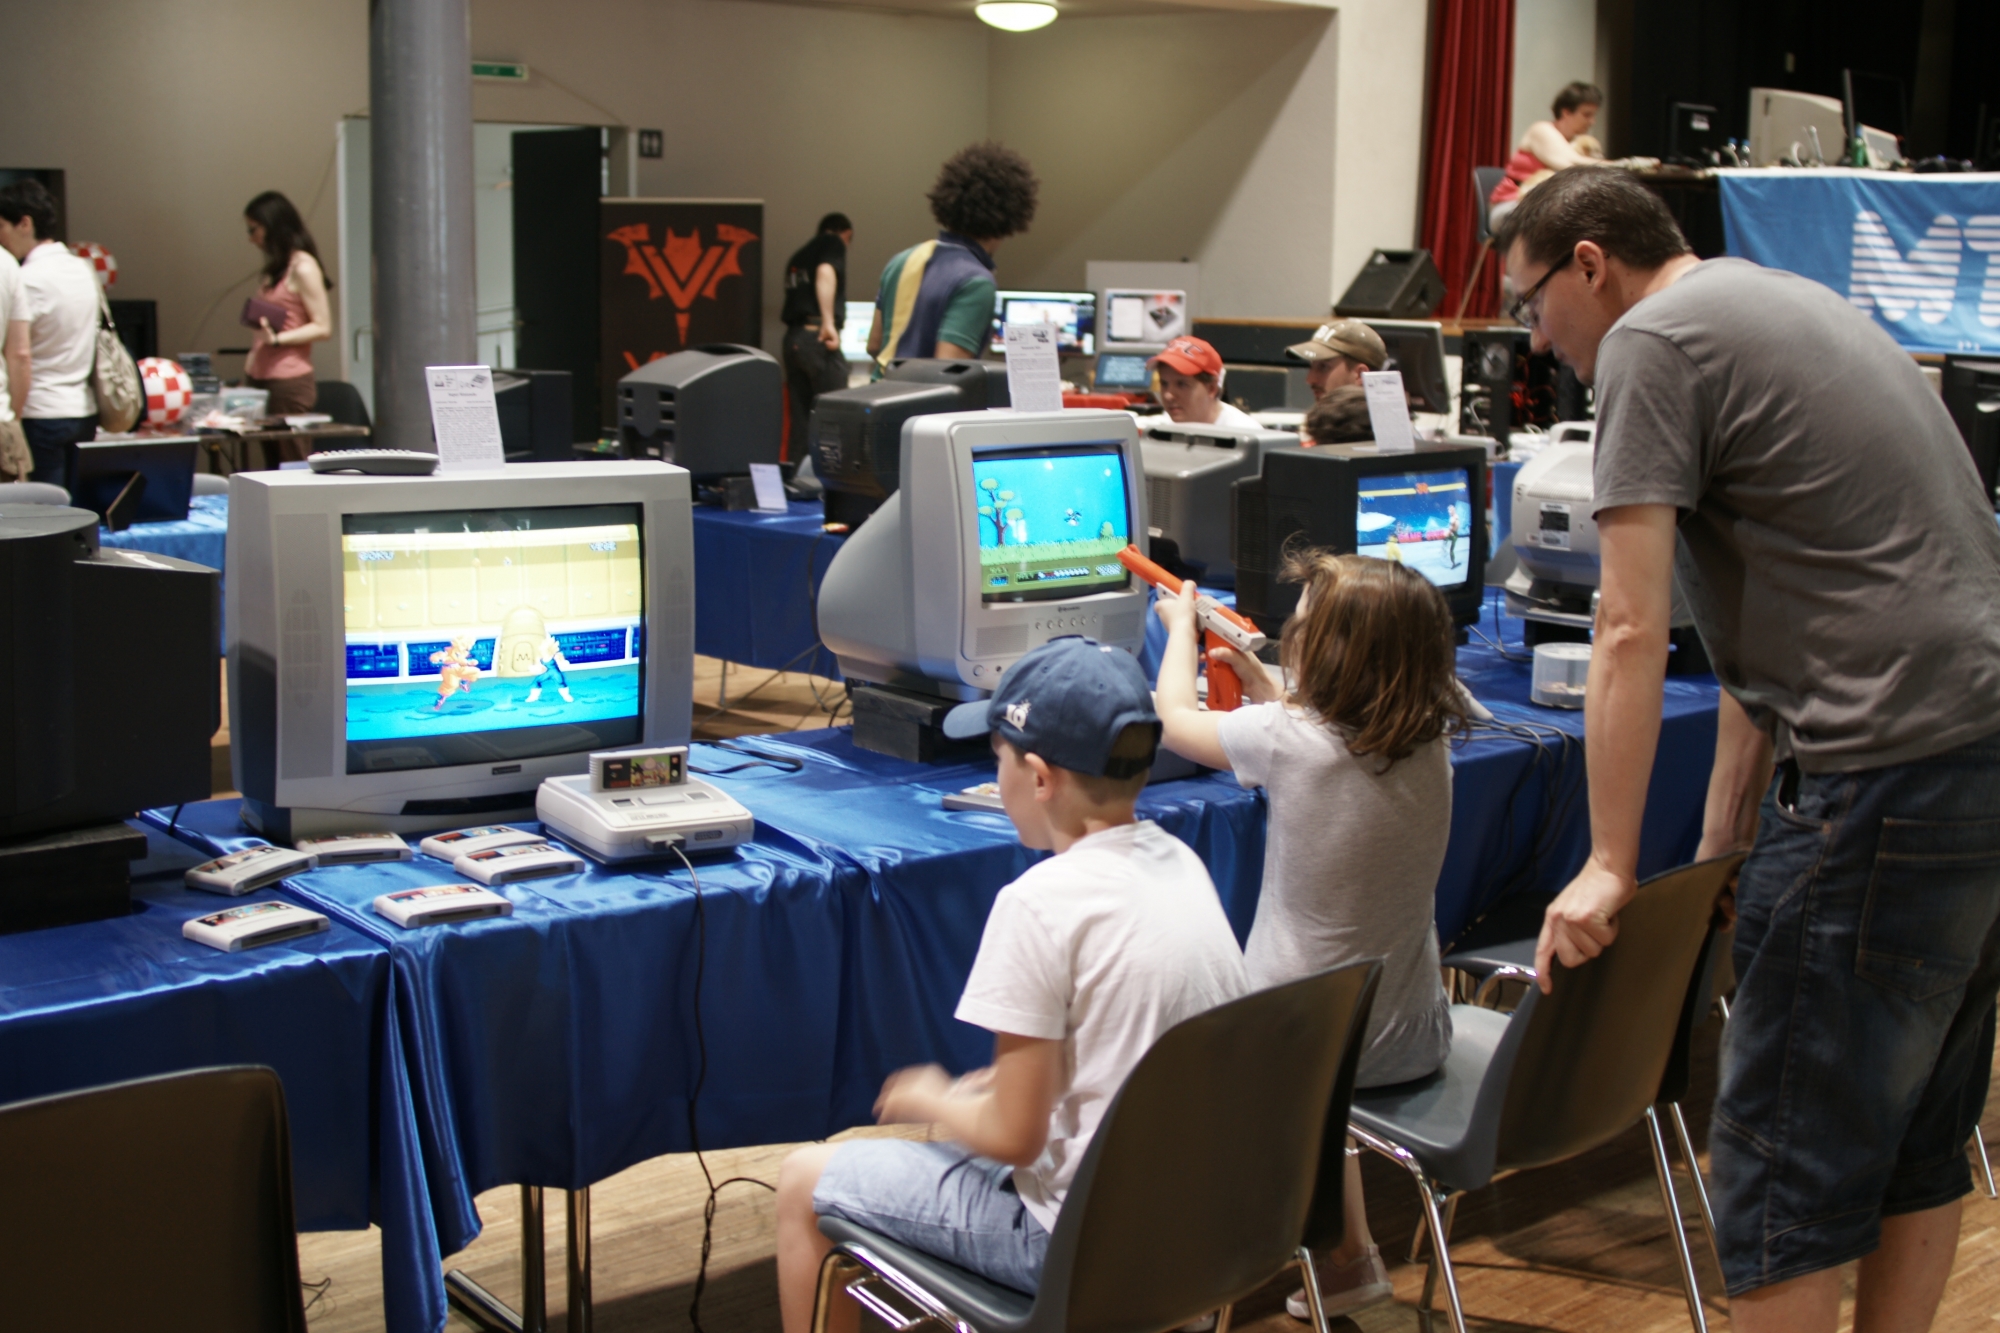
1518 311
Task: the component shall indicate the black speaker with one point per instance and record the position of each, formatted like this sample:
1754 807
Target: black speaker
1394 284
536 419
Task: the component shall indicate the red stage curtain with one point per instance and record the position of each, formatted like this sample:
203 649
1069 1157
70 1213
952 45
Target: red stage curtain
1472 96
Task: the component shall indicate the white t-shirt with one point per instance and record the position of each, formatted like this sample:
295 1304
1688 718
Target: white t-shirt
59 301
1232 415
10 297
1103 948
1351 864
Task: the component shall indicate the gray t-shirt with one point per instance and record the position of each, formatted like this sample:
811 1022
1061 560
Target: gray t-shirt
1351 864
1841 563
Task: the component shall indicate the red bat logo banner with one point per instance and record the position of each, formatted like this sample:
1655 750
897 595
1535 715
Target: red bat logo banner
681 268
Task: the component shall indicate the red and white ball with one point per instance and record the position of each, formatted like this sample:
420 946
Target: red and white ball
169 390
101 260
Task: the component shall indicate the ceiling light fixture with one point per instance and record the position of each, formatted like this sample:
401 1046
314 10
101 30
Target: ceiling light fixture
1016 15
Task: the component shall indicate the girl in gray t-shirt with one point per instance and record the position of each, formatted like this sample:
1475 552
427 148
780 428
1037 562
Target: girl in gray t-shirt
1355 764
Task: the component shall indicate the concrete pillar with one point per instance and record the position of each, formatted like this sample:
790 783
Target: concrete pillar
420 149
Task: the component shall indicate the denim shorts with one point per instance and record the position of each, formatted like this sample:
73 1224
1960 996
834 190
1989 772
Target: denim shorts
938 1198
1856 1057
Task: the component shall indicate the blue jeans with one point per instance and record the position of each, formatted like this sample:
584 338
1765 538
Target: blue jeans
1856 1058
938 1198
50 440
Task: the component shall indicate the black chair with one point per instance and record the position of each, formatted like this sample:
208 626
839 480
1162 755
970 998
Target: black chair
1564 1073
1484 181
1233 1126
342 401
164 1203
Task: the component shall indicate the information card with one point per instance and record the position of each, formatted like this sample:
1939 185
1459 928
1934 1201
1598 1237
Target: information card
1034 372
1389 411
463 417
769 483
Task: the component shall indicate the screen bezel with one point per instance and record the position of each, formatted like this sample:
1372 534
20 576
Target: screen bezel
1077 449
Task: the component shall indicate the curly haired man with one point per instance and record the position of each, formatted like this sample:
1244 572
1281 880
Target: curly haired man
936 298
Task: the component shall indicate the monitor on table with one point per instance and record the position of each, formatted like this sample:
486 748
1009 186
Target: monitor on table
1127 372
1781 120
1425 510
133 481
393 641
1073 313
1416 347
1005 534
857 434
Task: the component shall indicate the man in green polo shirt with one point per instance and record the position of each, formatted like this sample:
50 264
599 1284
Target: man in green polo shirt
936 298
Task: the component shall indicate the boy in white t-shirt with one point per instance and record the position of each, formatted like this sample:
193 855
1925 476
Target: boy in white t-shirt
1085 961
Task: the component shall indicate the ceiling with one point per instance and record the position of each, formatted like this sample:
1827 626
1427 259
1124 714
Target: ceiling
1069 8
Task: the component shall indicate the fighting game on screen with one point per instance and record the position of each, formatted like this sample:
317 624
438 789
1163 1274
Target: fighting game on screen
1420 519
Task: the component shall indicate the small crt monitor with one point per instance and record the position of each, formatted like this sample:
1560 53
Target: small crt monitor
410 653
1004 534
1416 348
1073 313
1125 372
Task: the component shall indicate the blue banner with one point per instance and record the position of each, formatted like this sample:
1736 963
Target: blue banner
1921 254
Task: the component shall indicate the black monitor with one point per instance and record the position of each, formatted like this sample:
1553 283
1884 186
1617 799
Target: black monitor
133 481
1694 132
535 418
1972 395
1125 372
1426 510
713 410
857 434
1416 347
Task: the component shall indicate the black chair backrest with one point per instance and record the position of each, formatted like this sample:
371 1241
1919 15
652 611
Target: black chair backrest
1484 181
1592 1052
343 402
1198 1182
1700 998
160 1203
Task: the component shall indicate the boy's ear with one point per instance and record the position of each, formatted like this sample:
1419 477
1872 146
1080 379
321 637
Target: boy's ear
1045 778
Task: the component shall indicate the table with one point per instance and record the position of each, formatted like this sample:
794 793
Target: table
1859 232
270 443
199 537
757 578
103 1001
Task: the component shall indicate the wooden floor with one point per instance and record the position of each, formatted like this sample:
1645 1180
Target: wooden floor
1580 1247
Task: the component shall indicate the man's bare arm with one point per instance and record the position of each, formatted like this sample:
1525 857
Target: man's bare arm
1628 666
826 283
1736 784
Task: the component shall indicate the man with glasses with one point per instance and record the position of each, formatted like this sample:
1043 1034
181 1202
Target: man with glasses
1762 437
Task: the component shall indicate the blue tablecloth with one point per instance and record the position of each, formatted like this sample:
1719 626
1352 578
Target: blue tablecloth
756 579
1921 254
105 1001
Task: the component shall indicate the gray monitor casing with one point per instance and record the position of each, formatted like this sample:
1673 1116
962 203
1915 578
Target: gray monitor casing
901 604
287 643
1189 471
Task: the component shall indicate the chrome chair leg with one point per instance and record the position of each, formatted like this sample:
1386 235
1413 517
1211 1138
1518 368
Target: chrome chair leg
1431 1269
581 1318
1678 1229
1436 1201
1227 1313
1985 1163
1310 1272
1700 1184
1722 1003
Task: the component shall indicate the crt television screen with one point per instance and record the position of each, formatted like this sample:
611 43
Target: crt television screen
1421 519
491 634
1051 521
1073 313
1123 370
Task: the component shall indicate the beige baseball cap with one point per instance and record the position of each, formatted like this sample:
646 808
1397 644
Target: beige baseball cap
1343 337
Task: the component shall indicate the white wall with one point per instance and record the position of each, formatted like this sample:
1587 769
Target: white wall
1555 42
1275 148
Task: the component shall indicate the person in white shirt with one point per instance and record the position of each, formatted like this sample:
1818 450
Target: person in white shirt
51 345
15 460
1086 960
1190 375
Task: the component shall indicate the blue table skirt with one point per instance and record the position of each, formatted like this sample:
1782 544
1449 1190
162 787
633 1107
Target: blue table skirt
756 579
105 1001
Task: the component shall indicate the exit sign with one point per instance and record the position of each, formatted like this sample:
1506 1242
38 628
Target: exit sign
506 70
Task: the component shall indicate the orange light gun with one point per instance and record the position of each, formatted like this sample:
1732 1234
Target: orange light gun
1219 624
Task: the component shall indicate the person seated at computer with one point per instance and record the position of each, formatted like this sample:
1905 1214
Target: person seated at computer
936 298
1340 418
1189 377
1548 147
1337 355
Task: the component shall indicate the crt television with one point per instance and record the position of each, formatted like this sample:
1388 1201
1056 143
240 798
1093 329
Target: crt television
1426 510
713 410
1416 347
1190 469
133 481
408 653
1073 313
1781 120
1004 535
857 434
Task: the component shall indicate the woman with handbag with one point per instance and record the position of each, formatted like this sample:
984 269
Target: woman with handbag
51 339
290 311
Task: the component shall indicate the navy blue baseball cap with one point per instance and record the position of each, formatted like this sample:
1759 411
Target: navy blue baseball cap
1067 701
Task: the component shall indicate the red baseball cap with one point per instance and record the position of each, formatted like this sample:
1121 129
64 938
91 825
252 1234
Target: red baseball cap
1190 356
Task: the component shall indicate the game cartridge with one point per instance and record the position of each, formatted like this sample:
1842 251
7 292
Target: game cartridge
247 871
437 904
253 924
523 860
449 846
348 849
626 770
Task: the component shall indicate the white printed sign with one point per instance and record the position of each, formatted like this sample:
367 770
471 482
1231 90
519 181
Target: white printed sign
1389 411
1034 371
463 418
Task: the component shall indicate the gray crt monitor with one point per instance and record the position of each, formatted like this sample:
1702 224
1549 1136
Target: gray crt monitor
1004 534
411 653
1189 471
